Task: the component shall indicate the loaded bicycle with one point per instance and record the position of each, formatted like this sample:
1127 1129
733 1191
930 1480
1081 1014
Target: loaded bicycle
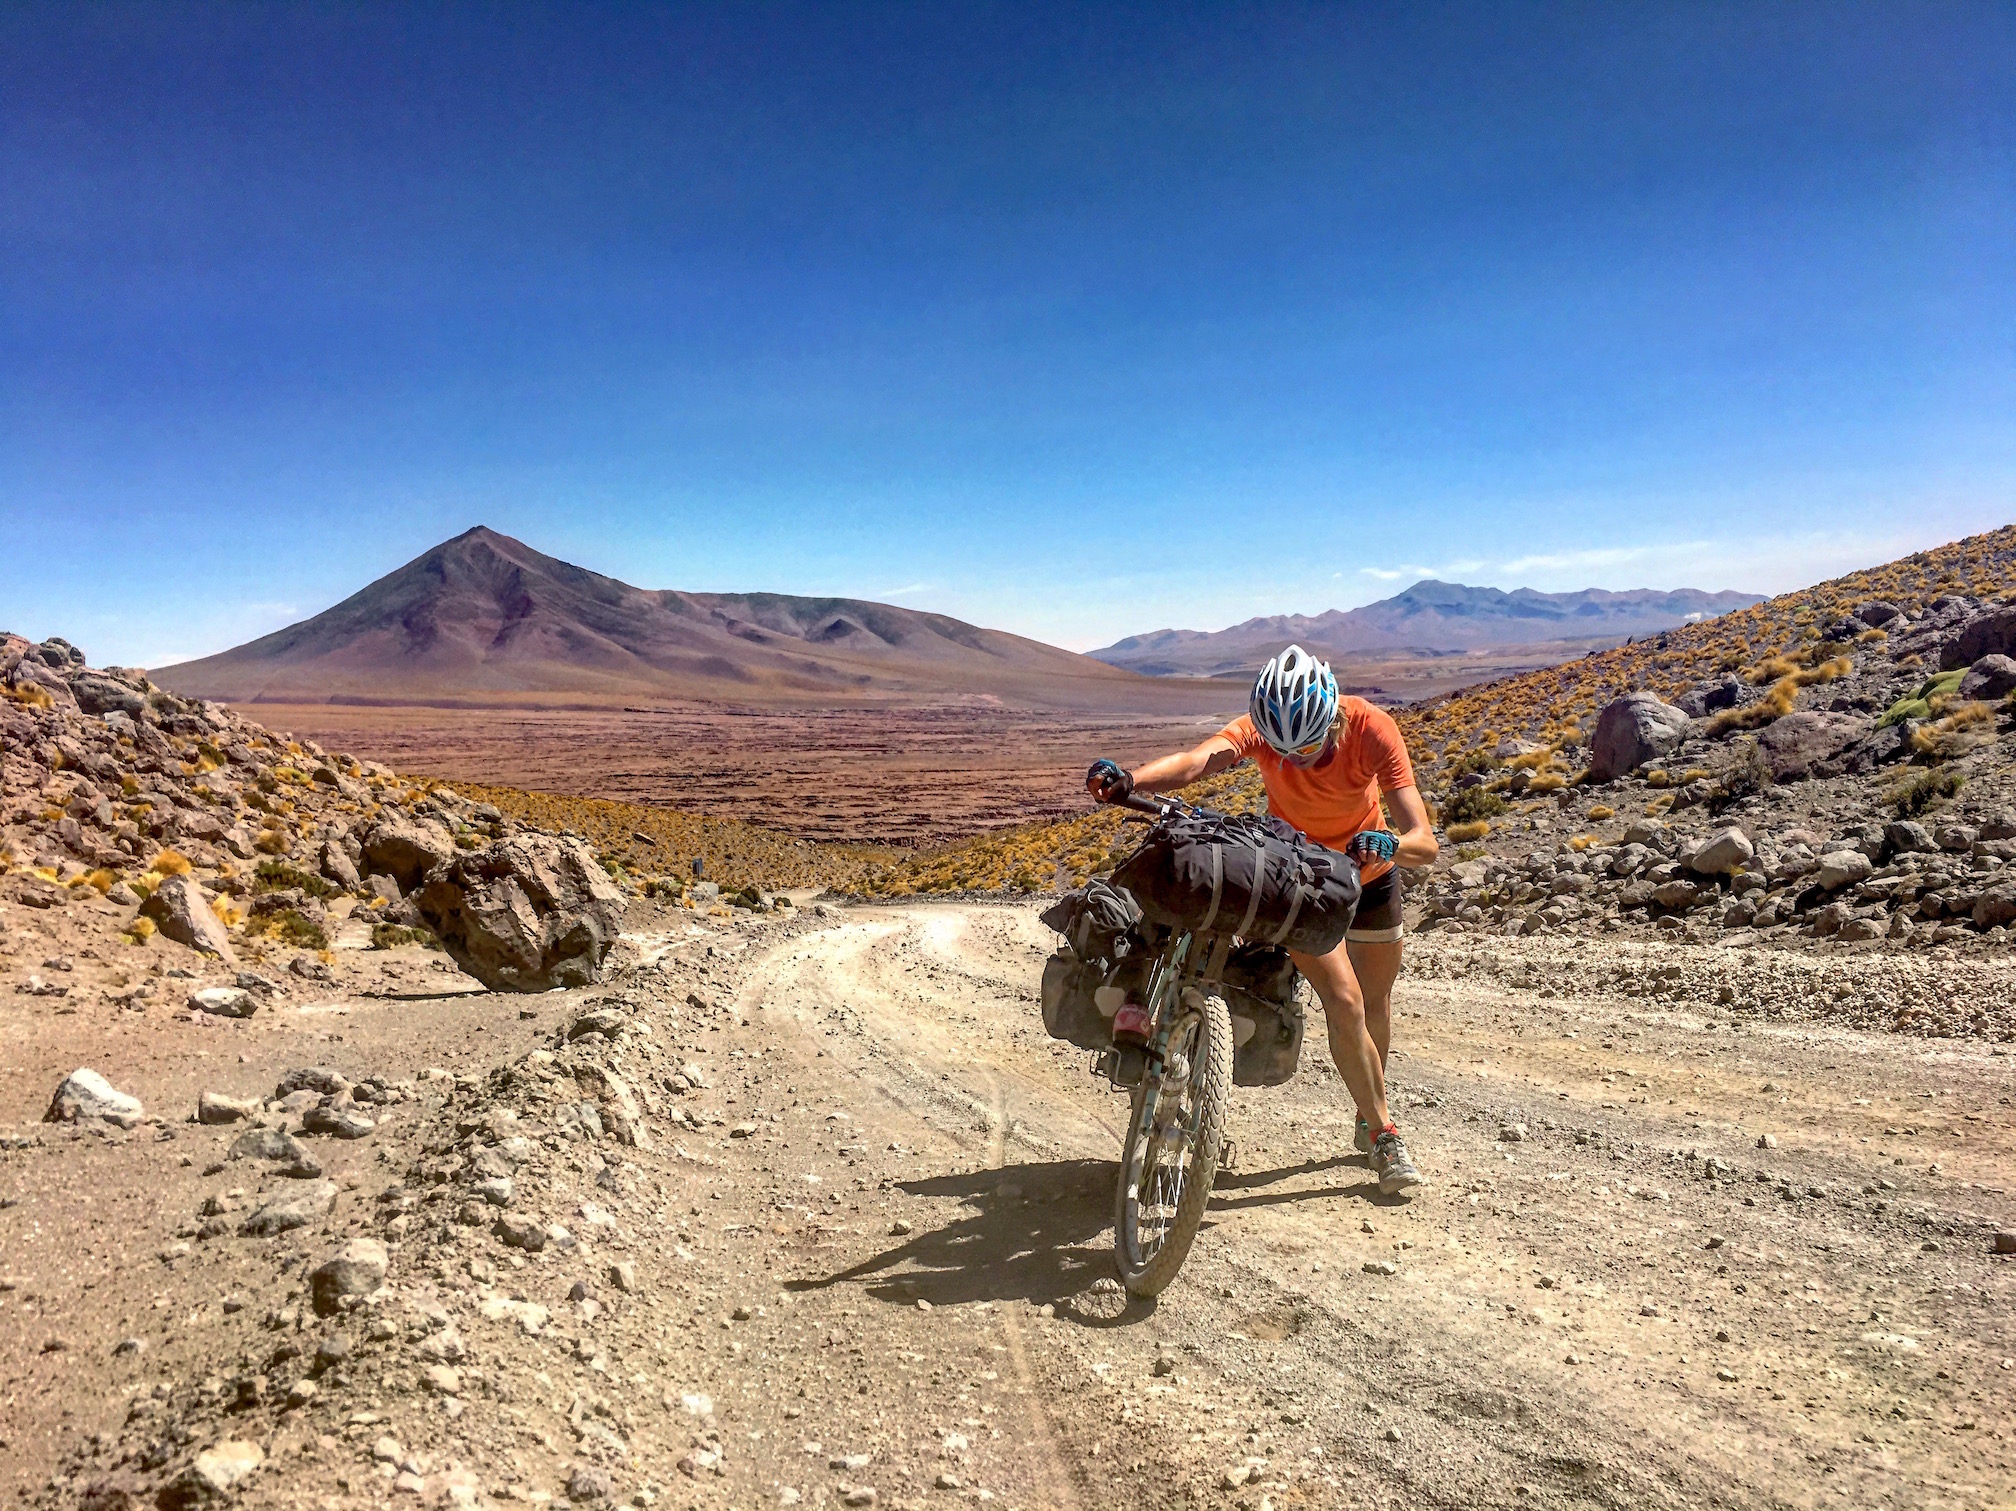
1175 973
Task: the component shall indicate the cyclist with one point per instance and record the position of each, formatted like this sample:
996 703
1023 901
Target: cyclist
1326 760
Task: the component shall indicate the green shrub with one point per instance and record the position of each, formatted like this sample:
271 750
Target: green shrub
290 927
1471 804
1474 762
1919 704
1922 789
277 875
389 936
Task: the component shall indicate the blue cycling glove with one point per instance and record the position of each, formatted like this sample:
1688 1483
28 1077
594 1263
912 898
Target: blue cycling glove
1108 782
1372 844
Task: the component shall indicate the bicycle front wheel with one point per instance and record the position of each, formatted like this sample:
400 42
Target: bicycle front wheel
1173 1142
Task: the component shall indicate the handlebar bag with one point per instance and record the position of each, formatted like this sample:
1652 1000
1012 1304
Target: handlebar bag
1097 920
1248 875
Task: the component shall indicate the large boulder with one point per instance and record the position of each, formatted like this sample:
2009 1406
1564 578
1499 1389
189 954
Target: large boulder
1877 612
525 914
1799 745
1995 907
1711 697
1908 837
1720 854
1988 634
1679 894
1631 731
85 1094
97 693
406 849
1882 745
1843 868
1989 678
337 866
183 914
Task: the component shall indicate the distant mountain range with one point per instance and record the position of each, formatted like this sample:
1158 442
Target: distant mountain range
485 619
1430 618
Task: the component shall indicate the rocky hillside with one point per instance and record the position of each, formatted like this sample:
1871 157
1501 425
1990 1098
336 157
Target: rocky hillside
1831 767
199 824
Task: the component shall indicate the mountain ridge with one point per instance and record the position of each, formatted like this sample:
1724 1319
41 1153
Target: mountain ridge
484 617
1433 618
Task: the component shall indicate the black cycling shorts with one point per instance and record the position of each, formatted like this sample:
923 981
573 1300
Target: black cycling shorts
1378 919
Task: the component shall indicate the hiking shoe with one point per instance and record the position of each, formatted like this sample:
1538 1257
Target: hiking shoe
1362 1139
1392 1163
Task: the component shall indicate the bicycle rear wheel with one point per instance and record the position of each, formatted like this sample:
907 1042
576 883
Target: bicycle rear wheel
1173 1142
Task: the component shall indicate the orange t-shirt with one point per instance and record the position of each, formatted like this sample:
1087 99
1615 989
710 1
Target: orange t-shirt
1339 796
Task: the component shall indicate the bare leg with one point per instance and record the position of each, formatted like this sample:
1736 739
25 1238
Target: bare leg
1377 966
1351 1047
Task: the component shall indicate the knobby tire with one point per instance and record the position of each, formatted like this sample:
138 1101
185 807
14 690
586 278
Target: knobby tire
1211 1076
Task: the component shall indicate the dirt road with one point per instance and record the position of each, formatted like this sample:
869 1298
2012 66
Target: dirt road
1666 1259
1581 1312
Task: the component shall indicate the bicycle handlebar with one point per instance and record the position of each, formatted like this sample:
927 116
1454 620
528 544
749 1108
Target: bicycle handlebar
1158 805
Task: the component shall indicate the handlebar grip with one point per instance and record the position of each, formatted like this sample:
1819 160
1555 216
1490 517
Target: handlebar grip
1143 804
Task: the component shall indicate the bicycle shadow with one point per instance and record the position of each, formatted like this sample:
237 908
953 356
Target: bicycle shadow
1038 1233
1366 1190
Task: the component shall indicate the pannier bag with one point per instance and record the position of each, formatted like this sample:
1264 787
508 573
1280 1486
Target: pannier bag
1259 983
1080 997
1264 970
1097 920
1251 876
1070 1007
1266 1039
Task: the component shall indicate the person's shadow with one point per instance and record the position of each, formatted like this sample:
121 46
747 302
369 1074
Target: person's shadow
1041 1233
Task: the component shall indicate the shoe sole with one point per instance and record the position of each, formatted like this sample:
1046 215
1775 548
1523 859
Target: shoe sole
1392 1185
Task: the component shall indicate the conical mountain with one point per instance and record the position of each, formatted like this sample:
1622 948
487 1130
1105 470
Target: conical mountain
484 618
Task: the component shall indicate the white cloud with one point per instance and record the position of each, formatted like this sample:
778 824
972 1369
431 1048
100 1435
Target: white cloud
905 591
1597 560
1384 574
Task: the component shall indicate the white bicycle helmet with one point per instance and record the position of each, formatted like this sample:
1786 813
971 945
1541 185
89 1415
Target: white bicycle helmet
1294 701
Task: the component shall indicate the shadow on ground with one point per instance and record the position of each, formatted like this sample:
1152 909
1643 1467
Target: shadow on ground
1039 1233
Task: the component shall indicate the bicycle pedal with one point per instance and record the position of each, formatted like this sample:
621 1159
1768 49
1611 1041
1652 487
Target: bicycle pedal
1228 1155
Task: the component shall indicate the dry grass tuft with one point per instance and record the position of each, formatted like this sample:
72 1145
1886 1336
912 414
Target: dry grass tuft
1463 834
169 863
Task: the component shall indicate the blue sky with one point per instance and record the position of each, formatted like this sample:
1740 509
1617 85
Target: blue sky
1079 321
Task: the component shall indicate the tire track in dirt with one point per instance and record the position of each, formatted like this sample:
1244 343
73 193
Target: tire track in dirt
1565 1280
1060 1482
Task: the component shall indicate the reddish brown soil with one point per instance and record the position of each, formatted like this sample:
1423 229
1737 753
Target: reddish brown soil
888 775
